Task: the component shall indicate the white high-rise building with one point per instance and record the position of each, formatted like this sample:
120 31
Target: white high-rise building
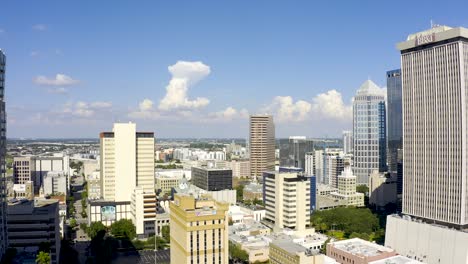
310 163
369 131
348 142
434 67
127 161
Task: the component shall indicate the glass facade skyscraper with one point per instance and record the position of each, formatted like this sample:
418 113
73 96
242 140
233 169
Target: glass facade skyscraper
395 121
293 150
3 212
369 131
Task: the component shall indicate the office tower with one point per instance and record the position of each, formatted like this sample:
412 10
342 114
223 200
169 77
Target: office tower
24 169
240 168
394 118
198 230
399 180
127 161
318 159
262 144
3 219
293 150
348 142
435 79
369 131
33 223
310 163
328 170
335 165
287 199
212 179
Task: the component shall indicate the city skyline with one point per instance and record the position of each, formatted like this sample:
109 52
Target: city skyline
178 81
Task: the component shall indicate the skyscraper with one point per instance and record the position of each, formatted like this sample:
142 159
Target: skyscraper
262 144
394 115
348 142
3 212
293 150
435 125
369 131
127 161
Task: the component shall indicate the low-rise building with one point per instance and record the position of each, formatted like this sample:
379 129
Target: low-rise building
396 260
31 223
55 182
285 252
20 191
144 211
226 196
253 191
240 168
166 181
357 251
94 186
240 214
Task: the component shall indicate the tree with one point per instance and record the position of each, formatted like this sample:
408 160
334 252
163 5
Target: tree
240 192
236 252
362 189
166 233
43 258
73 223
323 250
94 229
123 228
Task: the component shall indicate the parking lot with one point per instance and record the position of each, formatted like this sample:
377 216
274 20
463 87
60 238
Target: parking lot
145 257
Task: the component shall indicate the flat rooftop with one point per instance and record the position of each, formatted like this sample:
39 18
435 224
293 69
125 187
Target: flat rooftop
359 247
396 260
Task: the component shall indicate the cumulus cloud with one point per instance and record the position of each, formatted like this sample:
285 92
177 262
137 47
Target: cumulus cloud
285 109
59 80
85 109
184 75
145 111
40 27
331 105
228 114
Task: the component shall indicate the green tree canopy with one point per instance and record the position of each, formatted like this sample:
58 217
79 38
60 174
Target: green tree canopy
123 228
94 229
43 258
236 252
166 233
362 189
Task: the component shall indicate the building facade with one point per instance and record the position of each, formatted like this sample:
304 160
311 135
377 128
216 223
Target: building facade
382 189
3 191
348 142
358 251
212 179
394 118
369 131
285 252
262 144
240 168
435 78
55 182
24 169
293 151
198 230
287 199
127 161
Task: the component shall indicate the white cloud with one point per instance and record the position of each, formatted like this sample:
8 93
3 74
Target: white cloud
285 109
40 27
59 80
228 114
184 75
84 109
146 105
145 111
59 90
331 105
100 104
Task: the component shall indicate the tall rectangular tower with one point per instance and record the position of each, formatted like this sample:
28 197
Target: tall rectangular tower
262 144
3 213
369 131
394 121
348 142
434 70
127 161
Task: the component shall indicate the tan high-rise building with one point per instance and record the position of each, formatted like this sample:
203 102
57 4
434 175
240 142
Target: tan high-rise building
434 75
262 144
199 230
127 161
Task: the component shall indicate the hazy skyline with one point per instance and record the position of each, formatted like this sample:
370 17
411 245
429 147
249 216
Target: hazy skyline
197 69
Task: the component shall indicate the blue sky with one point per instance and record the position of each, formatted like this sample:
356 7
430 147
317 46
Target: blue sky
74 68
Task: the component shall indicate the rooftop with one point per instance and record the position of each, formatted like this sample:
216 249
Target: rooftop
370 88
396 260
359 247
293 248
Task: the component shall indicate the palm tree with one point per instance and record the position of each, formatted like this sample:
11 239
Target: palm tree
43 258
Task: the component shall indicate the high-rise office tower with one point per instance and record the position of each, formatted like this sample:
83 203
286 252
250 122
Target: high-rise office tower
435 125
212 179
127 161
394 118
348 142
199 230
369 131
293 150
262 144
3 212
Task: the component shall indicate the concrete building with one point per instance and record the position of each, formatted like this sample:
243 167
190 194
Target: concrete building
107 212
90 166
369 131
3 203
199 230
262 144
31 223
428 243
253 191
318 166
243 214
285 252
94 186
240 168
127 161
55 182
166 183
293 150
382 189
143 210
330 167
224 196
287 200
357 251
22 191
335 166
310 163
396 260
212 179
24 169
435 176
348 142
